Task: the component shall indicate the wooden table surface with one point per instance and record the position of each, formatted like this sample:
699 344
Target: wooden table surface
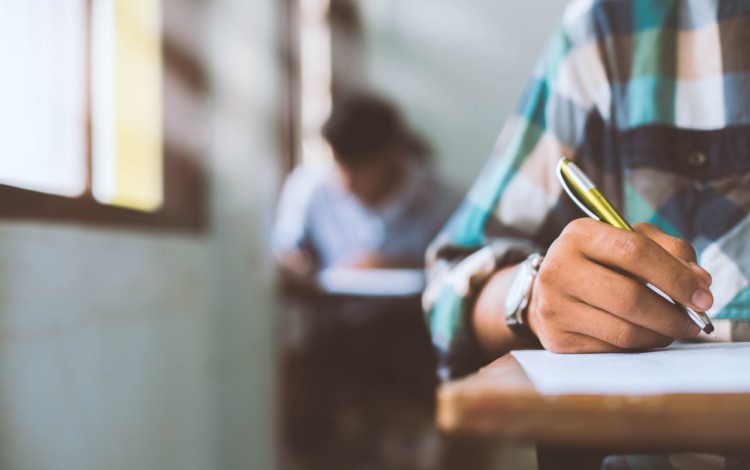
500 401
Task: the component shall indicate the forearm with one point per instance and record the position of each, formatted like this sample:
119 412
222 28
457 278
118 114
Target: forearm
488 317
375 260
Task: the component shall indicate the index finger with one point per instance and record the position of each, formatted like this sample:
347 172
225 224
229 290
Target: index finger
643 258
677 247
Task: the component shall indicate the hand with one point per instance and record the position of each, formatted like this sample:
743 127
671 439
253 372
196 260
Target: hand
370 260
590 294
375 260
298 264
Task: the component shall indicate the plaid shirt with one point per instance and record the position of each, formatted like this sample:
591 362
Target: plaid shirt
652 100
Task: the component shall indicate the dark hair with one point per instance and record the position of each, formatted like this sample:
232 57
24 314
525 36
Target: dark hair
362 126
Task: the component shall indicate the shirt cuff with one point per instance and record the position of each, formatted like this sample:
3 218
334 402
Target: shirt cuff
449 301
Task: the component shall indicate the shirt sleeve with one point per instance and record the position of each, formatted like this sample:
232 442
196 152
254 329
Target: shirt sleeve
290 230
511 210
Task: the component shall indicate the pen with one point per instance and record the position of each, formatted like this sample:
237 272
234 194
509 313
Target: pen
591 201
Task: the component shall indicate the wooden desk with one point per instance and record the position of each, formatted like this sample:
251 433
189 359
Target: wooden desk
500 401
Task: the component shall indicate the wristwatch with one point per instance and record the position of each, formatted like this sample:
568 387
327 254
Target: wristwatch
519 293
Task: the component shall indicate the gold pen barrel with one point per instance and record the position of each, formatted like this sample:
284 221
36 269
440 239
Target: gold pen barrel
605 211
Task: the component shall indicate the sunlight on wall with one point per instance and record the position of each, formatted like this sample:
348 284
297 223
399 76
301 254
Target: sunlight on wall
127 103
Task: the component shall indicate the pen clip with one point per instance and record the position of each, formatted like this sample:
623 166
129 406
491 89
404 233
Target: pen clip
565 185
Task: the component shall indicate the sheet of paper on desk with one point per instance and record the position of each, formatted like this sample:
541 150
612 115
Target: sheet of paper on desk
693 368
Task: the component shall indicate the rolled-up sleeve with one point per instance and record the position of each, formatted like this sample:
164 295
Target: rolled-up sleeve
290 232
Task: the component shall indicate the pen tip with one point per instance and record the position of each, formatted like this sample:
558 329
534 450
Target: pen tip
709 329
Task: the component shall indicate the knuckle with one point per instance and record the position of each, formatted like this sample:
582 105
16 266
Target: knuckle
681 249
544 308
547 273
548 267
625 337
576 229
645 227
557 343
567 233
626 298
633 246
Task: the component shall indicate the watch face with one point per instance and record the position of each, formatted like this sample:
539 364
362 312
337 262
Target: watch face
517 289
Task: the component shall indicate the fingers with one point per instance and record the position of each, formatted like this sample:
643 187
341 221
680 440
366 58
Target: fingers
705 275
631 301
581 328
677 247
585 329
576 343
614 330
590 294
640 256
566 325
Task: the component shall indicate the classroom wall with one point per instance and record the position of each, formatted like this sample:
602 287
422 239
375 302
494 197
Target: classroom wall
243 54
125 349
104 349
456 68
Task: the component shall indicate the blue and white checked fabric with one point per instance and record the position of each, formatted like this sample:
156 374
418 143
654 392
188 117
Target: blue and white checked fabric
652 100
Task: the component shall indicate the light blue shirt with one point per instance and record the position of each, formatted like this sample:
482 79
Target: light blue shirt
317 214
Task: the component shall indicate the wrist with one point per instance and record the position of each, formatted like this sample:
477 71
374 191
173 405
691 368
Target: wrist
518 299
488 316
487 320
529 316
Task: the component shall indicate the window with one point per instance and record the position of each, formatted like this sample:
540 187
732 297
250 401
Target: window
82 127
126 103
315 78
322 42
43 117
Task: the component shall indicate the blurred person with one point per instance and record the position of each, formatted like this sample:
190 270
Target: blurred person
651 99
378 206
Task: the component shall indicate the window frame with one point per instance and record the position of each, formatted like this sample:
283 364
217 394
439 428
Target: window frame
185 205
289 118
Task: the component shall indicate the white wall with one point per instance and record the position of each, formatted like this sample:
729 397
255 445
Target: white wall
242 53
104 342
457 68
126 349
129 349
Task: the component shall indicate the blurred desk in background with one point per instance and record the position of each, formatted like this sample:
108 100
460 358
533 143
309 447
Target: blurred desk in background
363 323
577 431
394 283
358 376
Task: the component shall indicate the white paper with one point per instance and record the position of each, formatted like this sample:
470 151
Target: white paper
681 368
372 282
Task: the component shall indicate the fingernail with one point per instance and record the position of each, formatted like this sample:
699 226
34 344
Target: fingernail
694 330
702 299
